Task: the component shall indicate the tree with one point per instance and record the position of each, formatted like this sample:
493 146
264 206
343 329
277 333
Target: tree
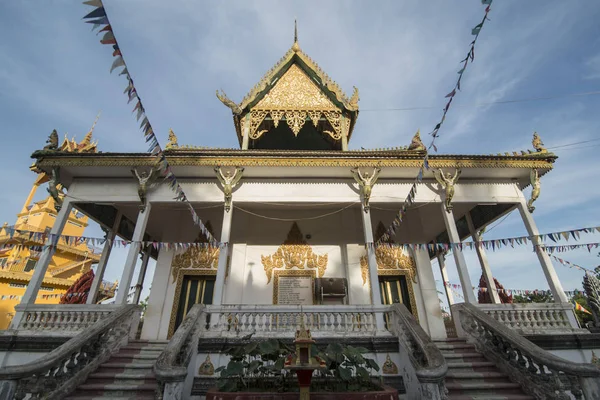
534 297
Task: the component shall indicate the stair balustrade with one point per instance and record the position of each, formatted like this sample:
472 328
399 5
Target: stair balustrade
423 364
59 372
540 373
173 366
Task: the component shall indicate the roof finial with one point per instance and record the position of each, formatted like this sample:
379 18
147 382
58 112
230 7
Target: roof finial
87 140
296 46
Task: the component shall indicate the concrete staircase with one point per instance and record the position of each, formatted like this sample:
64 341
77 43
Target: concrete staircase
126 375
472 377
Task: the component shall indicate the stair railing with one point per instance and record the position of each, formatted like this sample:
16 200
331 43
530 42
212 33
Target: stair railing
539 372
59 372
425 367
173 369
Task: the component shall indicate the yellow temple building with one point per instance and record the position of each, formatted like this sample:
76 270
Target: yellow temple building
20 249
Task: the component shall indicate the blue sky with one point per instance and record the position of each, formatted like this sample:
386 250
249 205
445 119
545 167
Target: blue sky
54 75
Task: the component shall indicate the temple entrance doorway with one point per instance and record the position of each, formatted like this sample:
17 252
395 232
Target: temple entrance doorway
395 289
195 289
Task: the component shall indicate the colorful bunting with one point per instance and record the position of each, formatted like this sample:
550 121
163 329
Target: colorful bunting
98 17
410 199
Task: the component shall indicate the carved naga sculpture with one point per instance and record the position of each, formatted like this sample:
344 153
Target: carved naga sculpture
535 191
145 181
366 183
229 103
52 141
229 181
447 182
591 285
54 188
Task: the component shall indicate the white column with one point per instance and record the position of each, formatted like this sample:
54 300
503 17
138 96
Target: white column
547 267
42 265
134 249
223 256
141 276
459 258
434 321
372 261
485 266
444 273
101 268
245 131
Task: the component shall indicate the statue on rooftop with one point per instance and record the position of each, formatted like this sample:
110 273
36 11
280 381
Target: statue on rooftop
366 183
52 141
54 188
229 103
416 144
447 182
229 181
172 143
535 191
537 143
145 181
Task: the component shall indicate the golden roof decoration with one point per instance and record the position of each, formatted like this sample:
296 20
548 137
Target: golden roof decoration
537 143
206 257
295 252
295 88
389 257
172 140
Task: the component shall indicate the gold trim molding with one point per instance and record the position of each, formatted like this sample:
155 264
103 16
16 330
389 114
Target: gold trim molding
262 161
295 252
389 259
280 273
196 257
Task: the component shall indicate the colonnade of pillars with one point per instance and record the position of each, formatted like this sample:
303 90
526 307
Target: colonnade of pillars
143 217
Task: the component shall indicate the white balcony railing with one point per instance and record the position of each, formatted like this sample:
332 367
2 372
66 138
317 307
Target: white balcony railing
541 318
270 320
61 319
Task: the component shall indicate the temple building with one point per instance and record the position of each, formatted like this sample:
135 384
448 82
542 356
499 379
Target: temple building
21 249
299 220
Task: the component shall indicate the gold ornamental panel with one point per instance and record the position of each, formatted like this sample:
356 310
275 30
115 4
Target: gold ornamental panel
389 259
294 253
295 91
195 258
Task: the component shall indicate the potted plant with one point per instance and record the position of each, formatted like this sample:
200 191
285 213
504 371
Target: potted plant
256 371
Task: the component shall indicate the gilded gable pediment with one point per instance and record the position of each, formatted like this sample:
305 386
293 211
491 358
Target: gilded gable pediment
295 252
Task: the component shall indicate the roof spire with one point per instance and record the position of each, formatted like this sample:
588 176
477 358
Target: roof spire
296 46
87 140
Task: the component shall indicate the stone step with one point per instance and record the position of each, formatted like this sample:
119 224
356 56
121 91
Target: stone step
102 396
478 366
143 374
491 397
449 340
467 357
477 388
154 346
137 357
464 350
117 365
147 352
115 390
476 377
454 345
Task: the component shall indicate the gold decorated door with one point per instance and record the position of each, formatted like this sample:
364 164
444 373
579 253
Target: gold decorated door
194 290
394 289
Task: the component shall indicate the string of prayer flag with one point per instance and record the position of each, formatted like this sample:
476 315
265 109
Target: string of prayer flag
99 19
391 230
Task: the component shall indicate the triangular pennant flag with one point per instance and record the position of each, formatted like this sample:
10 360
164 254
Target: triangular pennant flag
94 3
99 21
97 13
119 62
